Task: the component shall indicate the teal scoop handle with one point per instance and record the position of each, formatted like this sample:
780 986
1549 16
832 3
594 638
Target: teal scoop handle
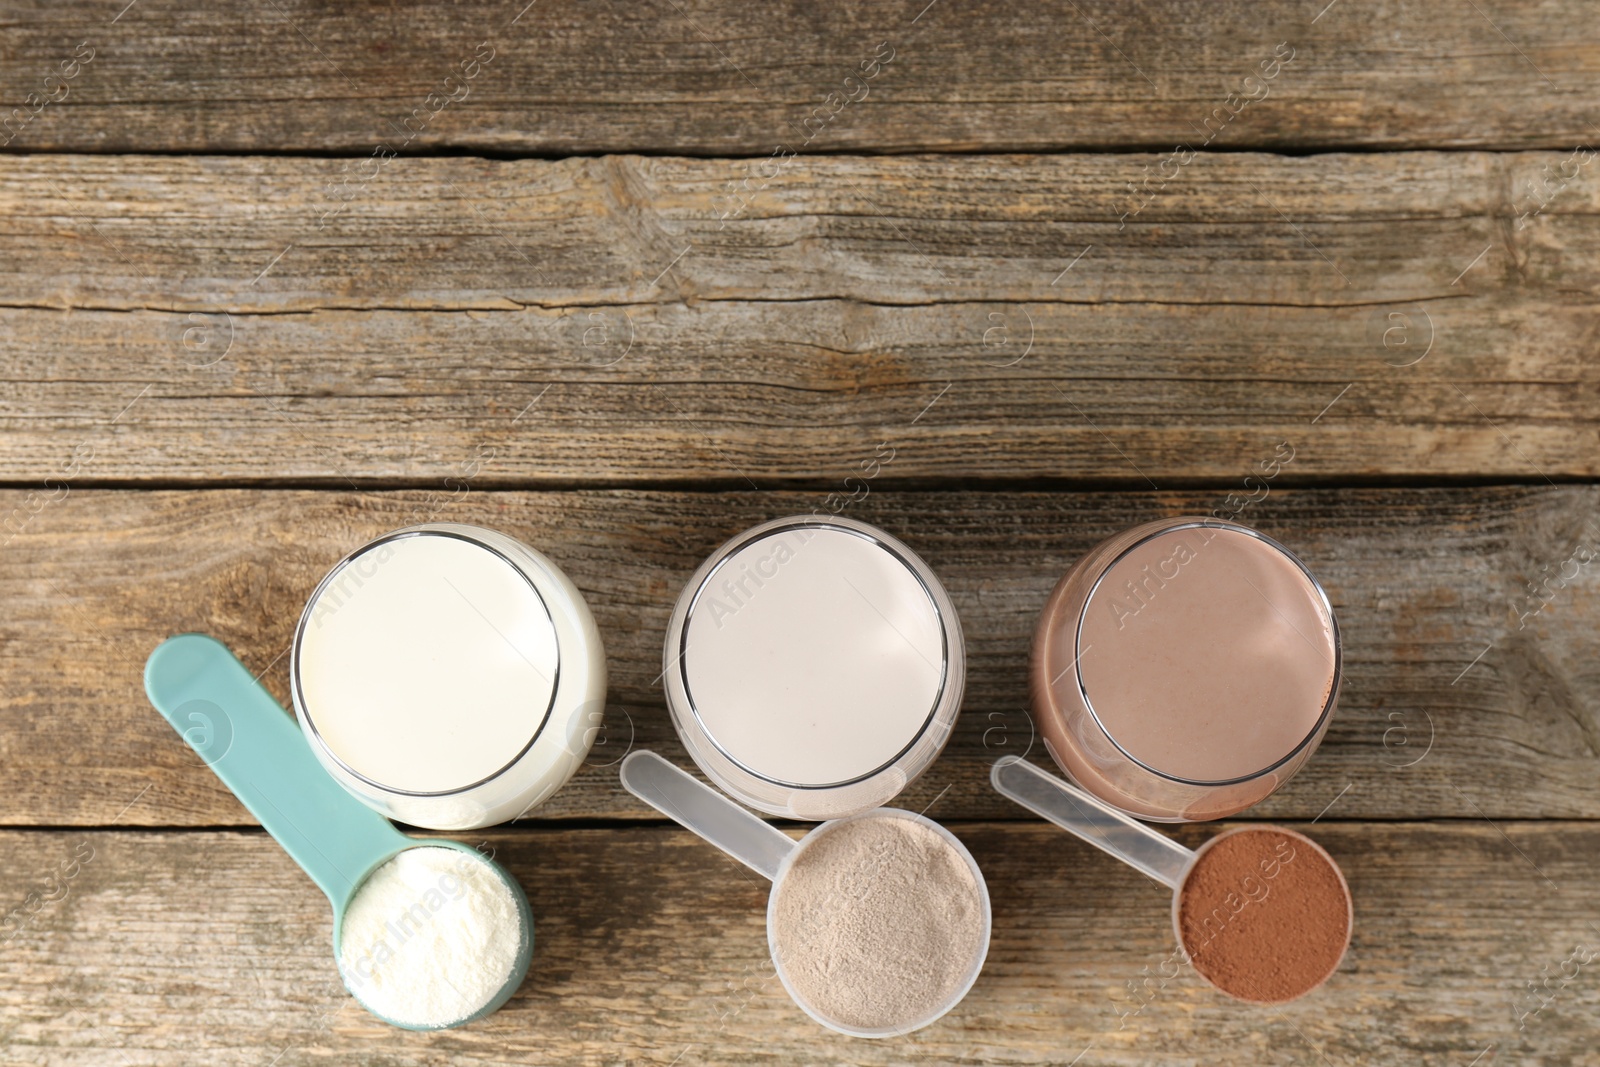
258 751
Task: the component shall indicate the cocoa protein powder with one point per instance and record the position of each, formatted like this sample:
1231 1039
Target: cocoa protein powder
1264 914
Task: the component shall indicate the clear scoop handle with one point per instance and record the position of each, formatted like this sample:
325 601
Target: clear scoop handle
1092 819
697 807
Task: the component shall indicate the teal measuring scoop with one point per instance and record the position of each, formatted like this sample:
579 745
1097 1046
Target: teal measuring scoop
258 751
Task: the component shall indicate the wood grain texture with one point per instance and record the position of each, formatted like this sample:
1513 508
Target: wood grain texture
1460 698
722 77
211 947
595 322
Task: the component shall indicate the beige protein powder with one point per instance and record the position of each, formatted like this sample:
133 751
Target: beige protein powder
878 923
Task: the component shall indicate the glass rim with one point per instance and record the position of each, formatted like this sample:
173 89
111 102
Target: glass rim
1322 598
303 710
771 529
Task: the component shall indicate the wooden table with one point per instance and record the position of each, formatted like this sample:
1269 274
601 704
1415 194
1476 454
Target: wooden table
622 279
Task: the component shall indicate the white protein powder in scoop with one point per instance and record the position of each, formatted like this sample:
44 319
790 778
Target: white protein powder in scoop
430 938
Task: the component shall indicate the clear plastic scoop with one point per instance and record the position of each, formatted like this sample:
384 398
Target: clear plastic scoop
772 854
1140 847
253 745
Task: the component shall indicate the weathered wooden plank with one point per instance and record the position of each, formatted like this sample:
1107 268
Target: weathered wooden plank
855 292
1465 694
772 394
211 947
259 234
717 76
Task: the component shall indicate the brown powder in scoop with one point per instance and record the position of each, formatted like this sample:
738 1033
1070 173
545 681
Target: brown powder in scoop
877 923
1264 915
